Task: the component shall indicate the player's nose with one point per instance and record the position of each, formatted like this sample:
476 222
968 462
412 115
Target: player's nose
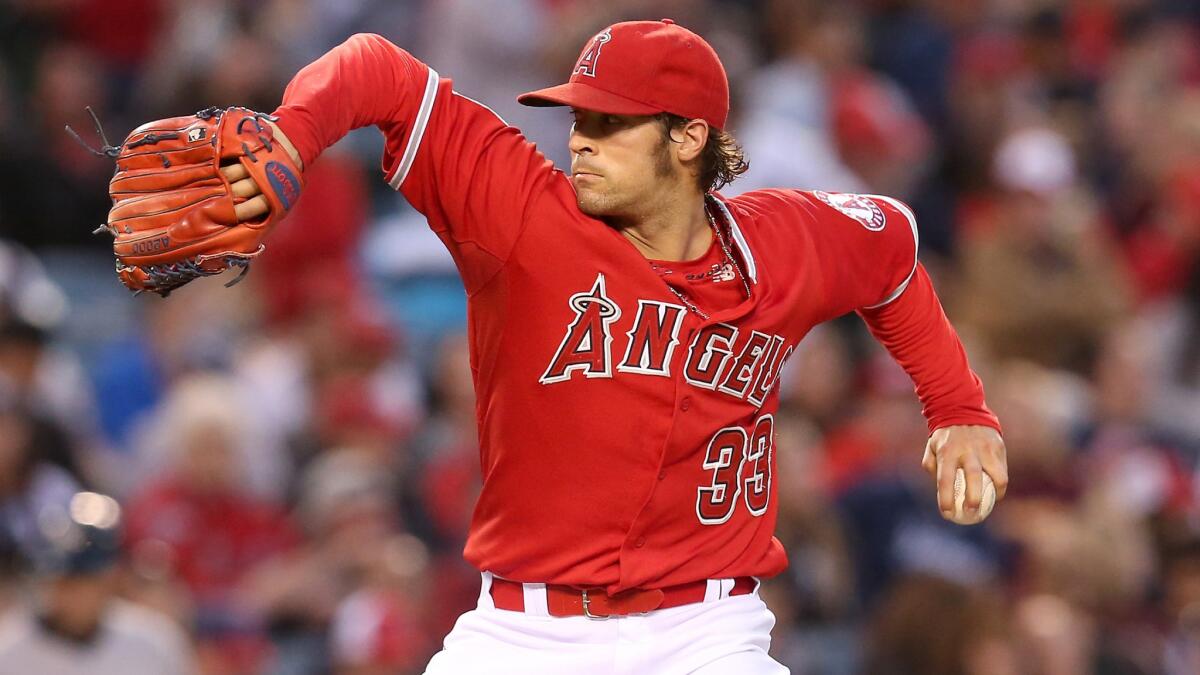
580 144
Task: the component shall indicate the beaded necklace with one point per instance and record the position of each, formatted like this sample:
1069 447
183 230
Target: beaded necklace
729 260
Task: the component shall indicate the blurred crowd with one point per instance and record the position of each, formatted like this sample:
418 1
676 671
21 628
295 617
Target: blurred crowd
294 462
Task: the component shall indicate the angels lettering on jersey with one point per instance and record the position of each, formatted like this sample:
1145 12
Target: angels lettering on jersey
720 357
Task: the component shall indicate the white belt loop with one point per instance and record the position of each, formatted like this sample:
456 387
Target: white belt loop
718 589
535 599
712 592
485 592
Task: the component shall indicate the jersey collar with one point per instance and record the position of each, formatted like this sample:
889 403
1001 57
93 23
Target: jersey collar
739 239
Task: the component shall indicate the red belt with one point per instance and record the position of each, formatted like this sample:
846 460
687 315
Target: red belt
596 604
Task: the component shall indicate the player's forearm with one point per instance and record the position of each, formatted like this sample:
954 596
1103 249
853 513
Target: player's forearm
363 81
916 332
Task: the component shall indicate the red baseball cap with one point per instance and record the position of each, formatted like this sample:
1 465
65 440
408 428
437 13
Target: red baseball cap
644 68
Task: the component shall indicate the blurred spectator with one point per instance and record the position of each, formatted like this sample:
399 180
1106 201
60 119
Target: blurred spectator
362 391
350 414
1179 554
120 32
77 623
1077 524
1042 405
815 600
787 109
27 293
1059 637
201 527
29 484
1164 252
931 626
347 505
1143 466
1040 280
378 629
52 190
448 447
50 382
136 369
444 483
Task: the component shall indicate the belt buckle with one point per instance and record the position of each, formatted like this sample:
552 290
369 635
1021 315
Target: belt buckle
588 612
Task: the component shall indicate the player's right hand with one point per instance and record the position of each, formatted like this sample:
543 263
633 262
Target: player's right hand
244 187
974 449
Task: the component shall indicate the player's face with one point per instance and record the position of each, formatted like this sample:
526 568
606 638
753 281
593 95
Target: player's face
618 162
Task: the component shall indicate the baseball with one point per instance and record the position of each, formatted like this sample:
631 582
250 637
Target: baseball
961 515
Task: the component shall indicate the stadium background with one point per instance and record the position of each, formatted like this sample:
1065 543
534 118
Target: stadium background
295 456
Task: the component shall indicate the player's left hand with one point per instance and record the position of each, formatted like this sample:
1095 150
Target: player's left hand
974 449
254 204
196 195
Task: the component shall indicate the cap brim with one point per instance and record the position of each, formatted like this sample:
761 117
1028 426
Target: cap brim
585 97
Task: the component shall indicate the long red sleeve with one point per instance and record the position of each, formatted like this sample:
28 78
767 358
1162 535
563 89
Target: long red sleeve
363 81
916 332
471 175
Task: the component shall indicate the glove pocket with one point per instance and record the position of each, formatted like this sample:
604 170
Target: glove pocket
140 212
130 183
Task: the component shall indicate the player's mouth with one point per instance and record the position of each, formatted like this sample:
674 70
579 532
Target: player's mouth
579 168
579 178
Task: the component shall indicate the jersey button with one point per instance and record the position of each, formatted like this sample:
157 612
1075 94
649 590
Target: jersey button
662 475
685 403
641 541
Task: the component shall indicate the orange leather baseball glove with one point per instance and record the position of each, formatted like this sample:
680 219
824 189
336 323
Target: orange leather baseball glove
173 214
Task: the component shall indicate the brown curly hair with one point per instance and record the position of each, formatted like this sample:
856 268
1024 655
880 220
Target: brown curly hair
722 159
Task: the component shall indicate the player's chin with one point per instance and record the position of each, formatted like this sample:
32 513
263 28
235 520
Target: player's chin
592 203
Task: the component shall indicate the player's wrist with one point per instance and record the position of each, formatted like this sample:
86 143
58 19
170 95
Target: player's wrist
287 144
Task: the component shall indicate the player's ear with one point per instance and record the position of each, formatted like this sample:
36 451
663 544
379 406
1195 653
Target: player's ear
692 138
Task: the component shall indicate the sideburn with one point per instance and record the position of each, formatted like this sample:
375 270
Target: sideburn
663 168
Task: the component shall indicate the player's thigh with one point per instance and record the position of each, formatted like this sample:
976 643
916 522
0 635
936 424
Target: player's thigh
753 662
728 636
510 643
495 659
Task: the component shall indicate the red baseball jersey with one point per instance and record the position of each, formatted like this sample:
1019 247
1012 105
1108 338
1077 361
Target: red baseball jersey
625 440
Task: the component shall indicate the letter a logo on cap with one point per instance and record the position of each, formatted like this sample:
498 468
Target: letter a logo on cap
587 61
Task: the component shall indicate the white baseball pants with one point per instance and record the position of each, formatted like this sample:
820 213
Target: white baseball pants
720 636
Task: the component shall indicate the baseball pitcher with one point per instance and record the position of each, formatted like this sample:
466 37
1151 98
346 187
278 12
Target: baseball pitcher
627 327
